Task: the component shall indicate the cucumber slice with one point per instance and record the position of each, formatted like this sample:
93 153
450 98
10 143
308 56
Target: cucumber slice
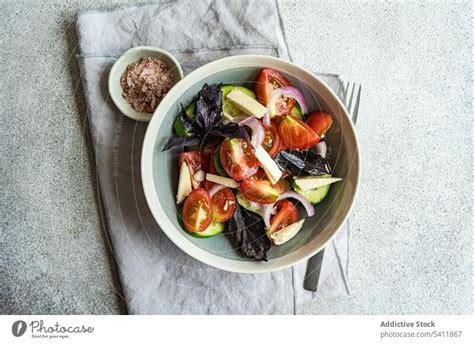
178 123
190 109
179 127
296 112
229 110
244 202
213 229
218 164
314 196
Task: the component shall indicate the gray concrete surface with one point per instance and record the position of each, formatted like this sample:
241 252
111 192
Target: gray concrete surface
412 239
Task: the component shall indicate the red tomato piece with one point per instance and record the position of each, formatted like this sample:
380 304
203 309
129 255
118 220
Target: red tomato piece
286 214
238 158
296 134
320 122
223 205
267 81
259 189
197 210
272 141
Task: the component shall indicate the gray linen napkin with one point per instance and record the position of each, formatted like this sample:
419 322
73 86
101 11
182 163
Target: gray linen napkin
157 277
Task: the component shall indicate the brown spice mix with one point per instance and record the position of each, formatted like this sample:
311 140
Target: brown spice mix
145 83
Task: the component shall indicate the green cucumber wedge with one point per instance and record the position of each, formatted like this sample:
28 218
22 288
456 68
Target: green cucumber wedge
314 196
190 109
179 127
213 229
244 202
178 123
296 112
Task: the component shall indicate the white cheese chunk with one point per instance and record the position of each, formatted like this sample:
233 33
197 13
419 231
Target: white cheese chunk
229 182
184 184
269 165
287 233
313 182
246 103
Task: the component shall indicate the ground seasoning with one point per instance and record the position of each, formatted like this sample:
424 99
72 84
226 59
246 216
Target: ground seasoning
145 83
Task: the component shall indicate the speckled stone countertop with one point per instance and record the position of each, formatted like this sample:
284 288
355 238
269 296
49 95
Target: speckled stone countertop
411 247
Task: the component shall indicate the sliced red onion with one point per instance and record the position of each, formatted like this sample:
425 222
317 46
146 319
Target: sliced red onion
266 118
216 188
290 92
304 201
246 120
322 148
268 211
258 132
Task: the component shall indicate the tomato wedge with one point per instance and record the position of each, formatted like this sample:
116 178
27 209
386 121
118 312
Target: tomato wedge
296 134
259 189
267 81
272 142
238 158
320 122
197 210
196 162
223 205
286 214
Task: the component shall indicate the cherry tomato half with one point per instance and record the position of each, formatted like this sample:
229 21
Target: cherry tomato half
296 134
286 214
223 205
272 142
238 158
267 81
320 122
196 162
197 210
259 189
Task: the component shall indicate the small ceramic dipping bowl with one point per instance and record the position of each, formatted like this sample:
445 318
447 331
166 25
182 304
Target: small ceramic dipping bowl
131 56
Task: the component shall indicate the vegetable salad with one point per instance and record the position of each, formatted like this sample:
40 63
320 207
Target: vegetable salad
253 163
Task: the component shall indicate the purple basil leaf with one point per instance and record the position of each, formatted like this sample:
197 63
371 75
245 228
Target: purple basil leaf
176 141
248 231
302 163
209 107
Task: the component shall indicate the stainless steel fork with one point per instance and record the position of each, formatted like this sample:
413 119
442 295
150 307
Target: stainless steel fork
350 97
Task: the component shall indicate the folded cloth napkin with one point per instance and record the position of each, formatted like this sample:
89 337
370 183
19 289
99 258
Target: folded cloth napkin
157 277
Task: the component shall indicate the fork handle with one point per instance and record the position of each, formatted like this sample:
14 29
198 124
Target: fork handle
313 271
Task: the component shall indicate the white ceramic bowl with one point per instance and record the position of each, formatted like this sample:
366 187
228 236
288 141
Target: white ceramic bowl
131 56
159 169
